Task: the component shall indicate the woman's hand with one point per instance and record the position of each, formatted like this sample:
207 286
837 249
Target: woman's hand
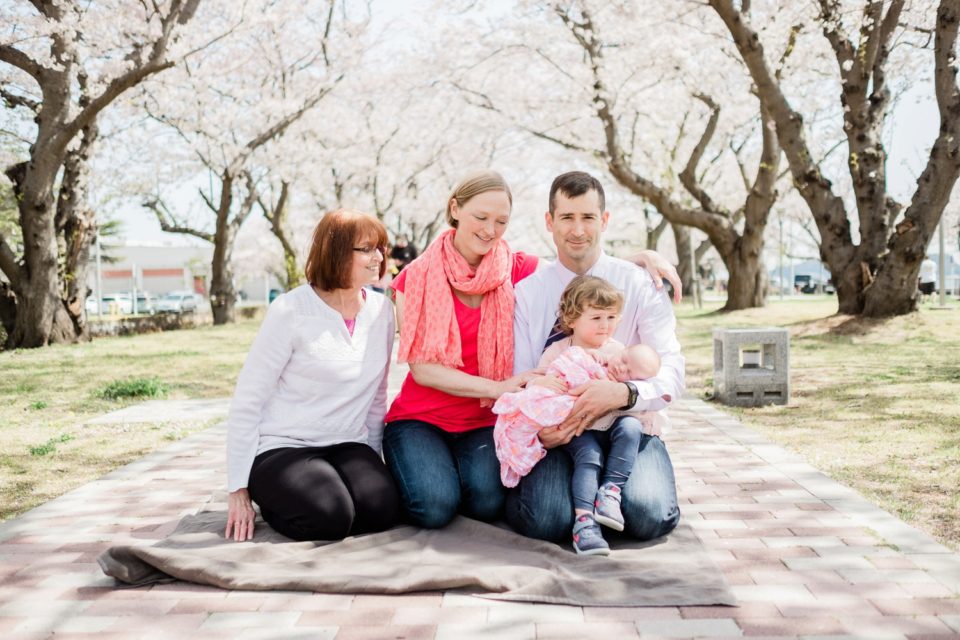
517 382
659 268
240 516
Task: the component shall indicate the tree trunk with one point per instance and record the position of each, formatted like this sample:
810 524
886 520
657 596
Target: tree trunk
41 314
77 224
223 295
747 287
293 272
654 231
681 235
894 289
277 217
8 309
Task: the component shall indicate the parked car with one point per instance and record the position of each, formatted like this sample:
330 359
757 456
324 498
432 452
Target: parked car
121 304
112 304
178 302
146 303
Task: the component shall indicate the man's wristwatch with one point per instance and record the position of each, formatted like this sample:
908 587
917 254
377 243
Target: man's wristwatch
632 398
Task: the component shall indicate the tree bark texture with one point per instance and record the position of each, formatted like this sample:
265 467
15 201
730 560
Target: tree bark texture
685 259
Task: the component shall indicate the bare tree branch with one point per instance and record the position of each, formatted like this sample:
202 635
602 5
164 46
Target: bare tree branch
169 224
791 44
248 201
279 127
22 61
688 177
179 13
206 200
14 100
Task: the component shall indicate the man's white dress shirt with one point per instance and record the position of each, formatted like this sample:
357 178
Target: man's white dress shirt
647 318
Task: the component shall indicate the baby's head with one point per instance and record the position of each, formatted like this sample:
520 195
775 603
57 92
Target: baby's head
638 362
590 308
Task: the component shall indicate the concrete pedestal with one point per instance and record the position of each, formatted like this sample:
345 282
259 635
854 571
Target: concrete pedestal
751 367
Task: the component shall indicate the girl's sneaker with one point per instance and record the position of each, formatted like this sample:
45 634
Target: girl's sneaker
607 507
587 538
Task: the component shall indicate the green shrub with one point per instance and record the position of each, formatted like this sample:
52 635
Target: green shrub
39 404
135 388
50 445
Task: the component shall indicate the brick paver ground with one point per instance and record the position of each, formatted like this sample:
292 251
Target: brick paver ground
806 557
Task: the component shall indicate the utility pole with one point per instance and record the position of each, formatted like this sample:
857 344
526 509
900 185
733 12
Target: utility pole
99 279
780 274
943 266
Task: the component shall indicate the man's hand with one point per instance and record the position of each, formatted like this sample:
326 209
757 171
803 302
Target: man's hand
240 516
594 399
551 437
659 268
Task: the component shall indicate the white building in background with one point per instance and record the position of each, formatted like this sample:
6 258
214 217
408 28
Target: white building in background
154 267
158 268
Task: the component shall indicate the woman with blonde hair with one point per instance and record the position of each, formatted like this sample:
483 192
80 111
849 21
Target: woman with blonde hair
455 312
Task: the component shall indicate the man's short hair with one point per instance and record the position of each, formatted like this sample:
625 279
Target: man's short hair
573 184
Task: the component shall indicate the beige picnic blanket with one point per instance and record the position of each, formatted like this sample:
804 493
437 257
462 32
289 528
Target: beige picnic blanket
468 555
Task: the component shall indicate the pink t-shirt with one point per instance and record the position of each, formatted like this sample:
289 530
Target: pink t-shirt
353 321
448 412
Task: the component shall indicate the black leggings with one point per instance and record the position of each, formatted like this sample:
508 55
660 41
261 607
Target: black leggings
324 493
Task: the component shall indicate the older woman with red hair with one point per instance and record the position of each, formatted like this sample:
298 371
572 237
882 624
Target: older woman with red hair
306 422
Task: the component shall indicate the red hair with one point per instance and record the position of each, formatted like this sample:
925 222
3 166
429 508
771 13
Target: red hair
330 261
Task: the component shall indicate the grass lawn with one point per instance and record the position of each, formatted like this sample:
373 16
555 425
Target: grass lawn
46 394
873 404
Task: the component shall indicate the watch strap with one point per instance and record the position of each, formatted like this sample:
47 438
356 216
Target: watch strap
632 396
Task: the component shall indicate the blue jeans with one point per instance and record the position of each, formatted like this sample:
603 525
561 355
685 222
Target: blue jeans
440 474
621 442
541 506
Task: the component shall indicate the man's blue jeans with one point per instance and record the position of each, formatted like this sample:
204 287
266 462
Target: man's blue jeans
440 474
541 506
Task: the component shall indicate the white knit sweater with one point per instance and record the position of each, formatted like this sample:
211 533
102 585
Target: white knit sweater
307 383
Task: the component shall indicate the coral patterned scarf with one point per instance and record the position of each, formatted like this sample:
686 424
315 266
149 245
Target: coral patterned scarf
429 330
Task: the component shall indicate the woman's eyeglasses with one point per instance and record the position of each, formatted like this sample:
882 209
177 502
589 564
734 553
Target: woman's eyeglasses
369 251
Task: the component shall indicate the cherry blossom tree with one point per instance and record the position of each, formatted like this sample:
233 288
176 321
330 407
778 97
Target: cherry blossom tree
872 242
62 65
621 85
234 109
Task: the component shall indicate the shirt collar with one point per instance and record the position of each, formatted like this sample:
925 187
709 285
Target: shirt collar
566 275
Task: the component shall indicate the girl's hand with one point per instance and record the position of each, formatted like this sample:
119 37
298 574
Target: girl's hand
240 516
553 383
599 356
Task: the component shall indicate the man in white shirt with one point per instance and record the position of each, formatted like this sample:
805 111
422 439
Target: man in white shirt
927 279
541 505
